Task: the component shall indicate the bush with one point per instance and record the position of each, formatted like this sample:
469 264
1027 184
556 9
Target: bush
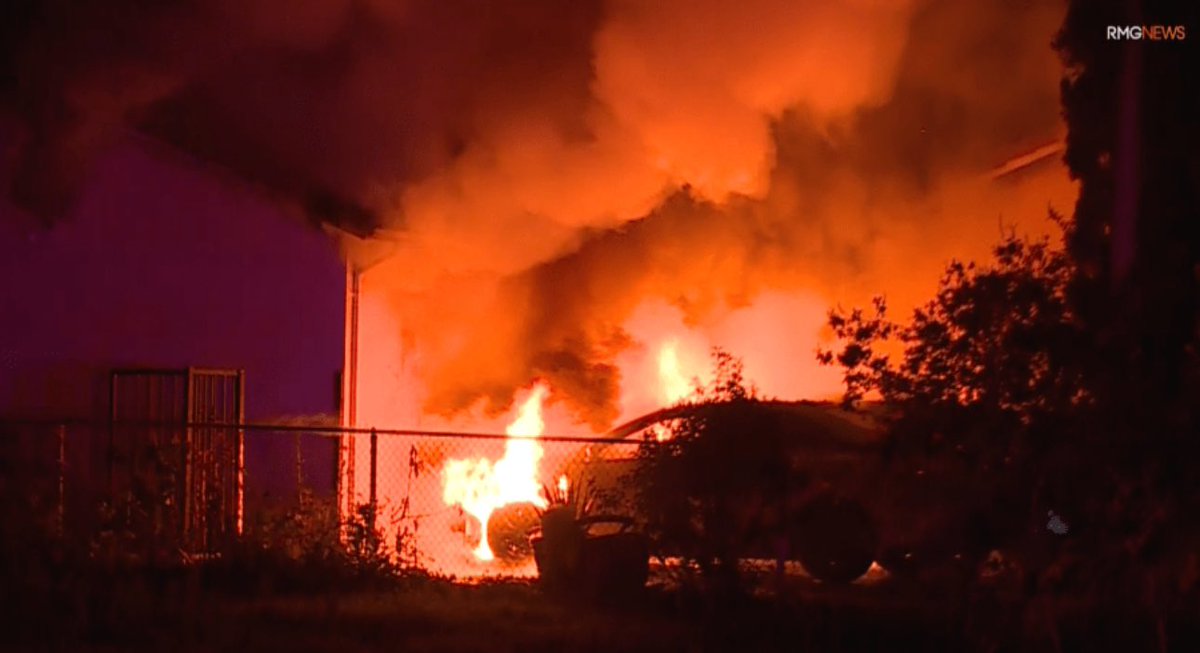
697 487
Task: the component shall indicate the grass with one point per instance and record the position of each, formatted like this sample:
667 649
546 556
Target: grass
258 602
426 614
414 615
423 614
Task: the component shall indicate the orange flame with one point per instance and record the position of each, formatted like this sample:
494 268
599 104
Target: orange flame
480 486
672 381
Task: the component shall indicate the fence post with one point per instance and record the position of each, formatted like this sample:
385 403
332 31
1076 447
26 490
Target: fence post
110 451
299 469
374 468
60 517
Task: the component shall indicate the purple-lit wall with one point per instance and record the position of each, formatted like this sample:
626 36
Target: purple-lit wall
163 263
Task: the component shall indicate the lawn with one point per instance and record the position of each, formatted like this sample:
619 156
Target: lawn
429 614
425 614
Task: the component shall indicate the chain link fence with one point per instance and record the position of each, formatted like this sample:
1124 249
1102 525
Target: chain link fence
465 504
448 503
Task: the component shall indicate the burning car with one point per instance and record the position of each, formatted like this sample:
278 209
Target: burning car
800 481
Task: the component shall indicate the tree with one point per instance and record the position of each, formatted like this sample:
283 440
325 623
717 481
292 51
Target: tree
1000 401
992 355
1134 145
1075 372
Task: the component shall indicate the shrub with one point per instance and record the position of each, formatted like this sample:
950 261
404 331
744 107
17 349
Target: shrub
695 485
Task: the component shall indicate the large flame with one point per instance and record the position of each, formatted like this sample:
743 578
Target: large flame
674 384
480 486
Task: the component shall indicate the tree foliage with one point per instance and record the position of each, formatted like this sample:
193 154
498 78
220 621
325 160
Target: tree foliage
1004 395
993 351
1133 144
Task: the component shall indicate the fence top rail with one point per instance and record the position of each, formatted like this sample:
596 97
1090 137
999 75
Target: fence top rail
331 431
149 371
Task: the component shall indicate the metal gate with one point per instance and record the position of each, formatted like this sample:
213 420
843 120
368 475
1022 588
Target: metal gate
177 450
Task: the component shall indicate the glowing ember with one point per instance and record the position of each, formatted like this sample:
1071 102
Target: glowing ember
481 487
562 485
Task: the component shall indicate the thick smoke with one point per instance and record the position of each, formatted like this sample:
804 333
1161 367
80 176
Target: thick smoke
872 193
543 168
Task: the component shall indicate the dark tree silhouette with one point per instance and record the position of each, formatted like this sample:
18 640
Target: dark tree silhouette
989 378
1074 373
995 338
1133 144
994 348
